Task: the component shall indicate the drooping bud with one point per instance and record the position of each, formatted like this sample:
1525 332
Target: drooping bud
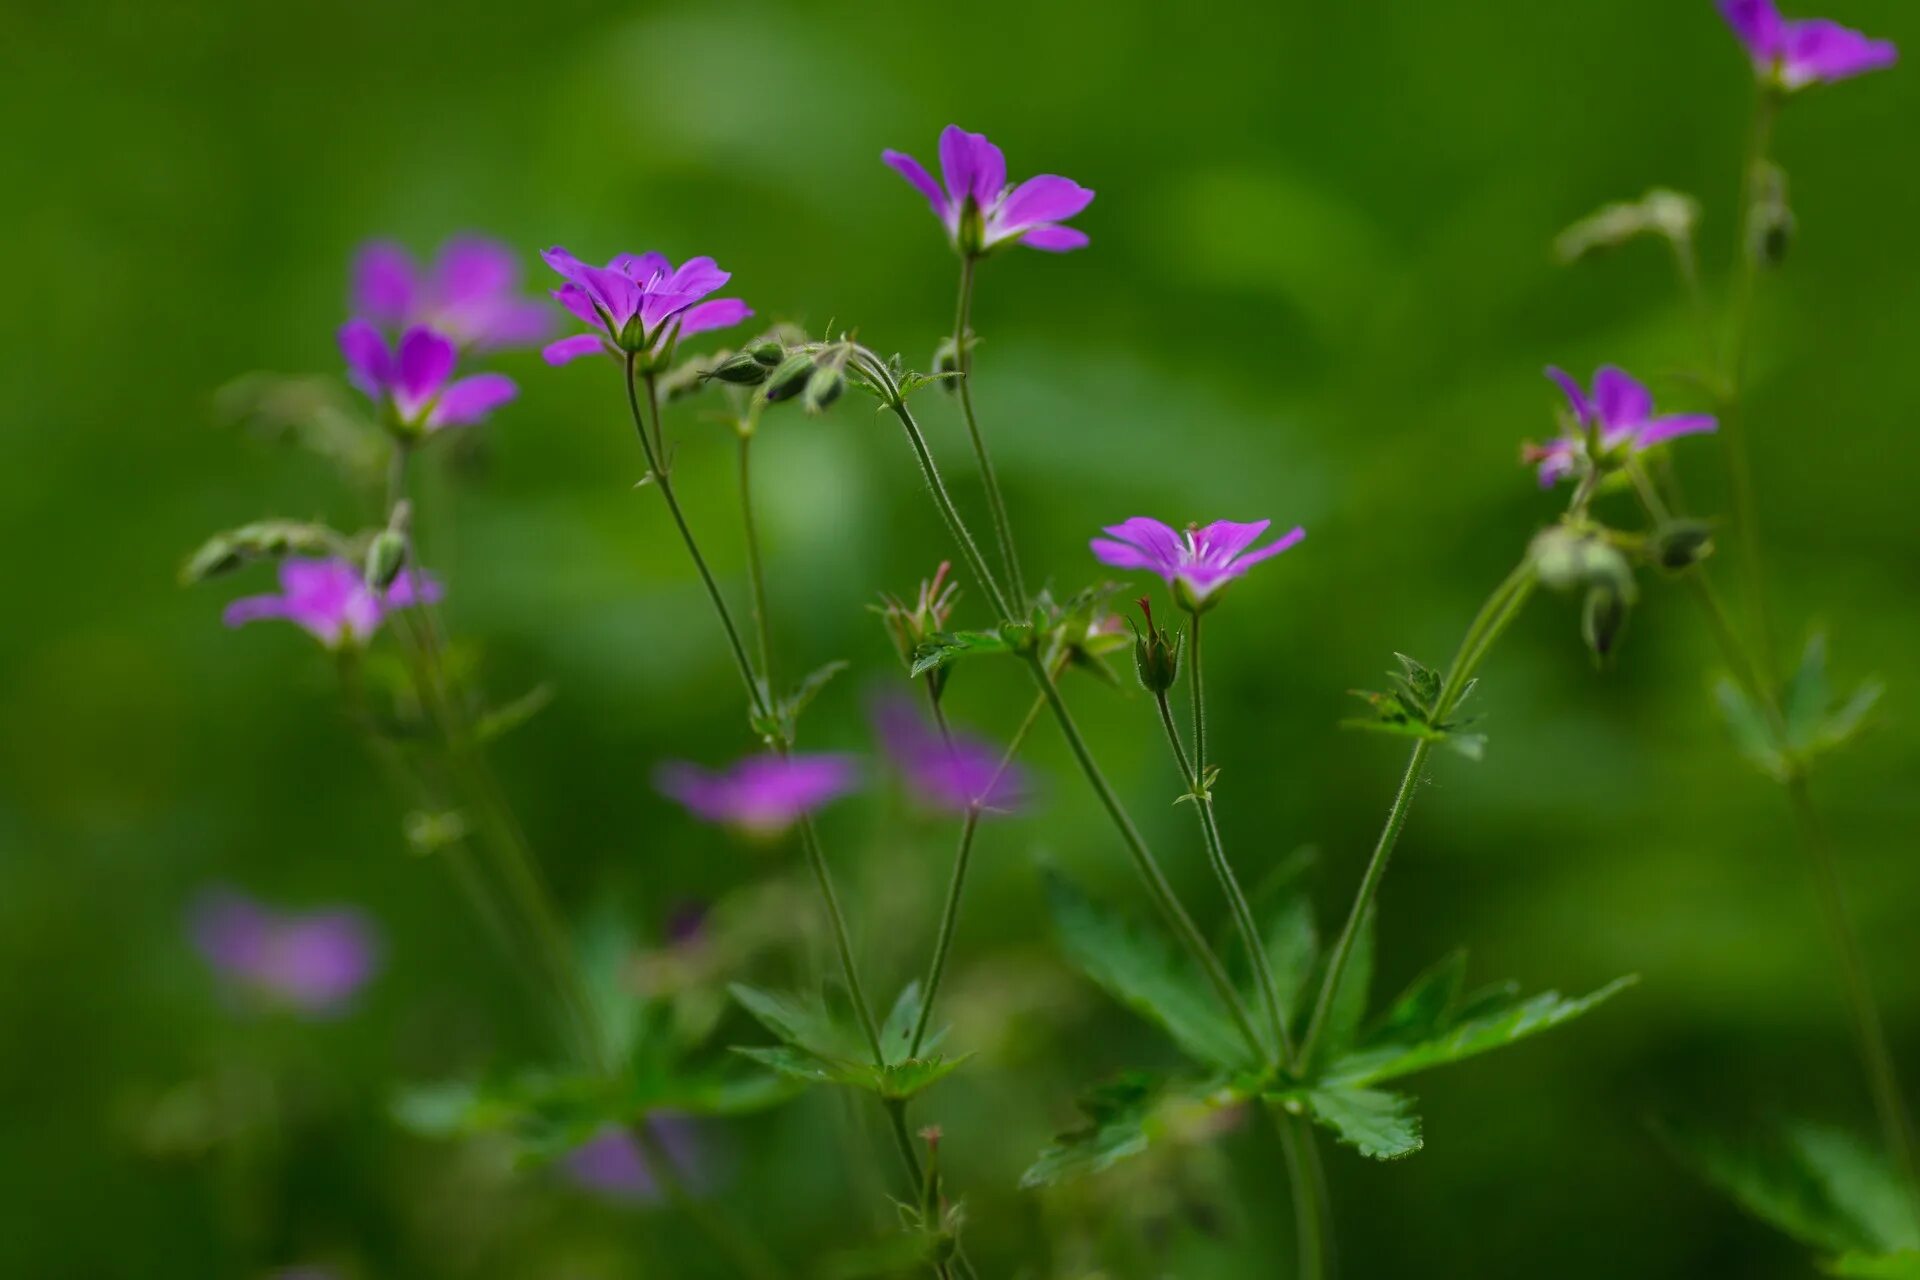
1681 544
386 556
767 351
740 370
1771 222
1156 655
790 378
1603 618
824 386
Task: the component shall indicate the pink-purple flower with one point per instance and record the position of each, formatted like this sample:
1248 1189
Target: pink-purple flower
1620 410
981 211
1794 54
314 962
331 601
762 794
1195 562
612 1164
414 380
942 774
638 303
471 293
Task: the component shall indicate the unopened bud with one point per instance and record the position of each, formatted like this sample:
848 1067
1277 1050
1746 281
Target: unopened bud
790 378
386 556
1681 544
215 557
1772 224
1603 618
1567 558
824 386
740 370
766 351
1156 655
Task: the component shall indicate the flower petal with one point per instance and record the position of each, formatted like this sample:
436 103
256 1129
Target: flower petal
1161 541
1681 424
471 399
1620 398
568 350
697 276
1576 397
912 170
472 271
642 268
369 363
576 301
1285 542
1821 50
1222 540
384 288
957 166
1054 239
424 364
720 313
1758 24
1047 198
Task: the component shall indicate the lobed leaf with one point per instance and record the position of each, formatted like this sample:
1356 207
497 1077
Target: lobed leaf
1377 1124
1118 1114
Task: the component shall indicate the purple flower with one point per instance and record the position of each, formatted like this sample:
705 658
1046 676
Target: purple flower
761 794
471 293
313 963
413 379
978 208
331 601
1796 54
1621 410
639 302
945 775
612 1164
1195 563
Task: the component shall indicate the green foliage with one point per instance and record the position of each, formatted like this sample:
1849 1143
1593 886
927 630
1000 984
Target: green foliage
1410 708
1812 722
233 549
1904 1265
1118 1116
1377 1124
785 718
947 647
819 1048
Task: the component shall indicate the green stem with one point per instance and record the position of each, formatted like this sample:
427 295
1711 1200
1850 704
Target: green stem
1494 617
756 571
1304 1175
996 504
950 913
1196 687
742 1251
969 550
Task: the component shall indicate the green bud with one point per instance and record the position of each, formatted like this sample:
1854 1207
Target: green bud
824 386
1772 222
1566 558
1681 544
1603 618
216 556
386 556
767 351
1156 655
740 370
790 378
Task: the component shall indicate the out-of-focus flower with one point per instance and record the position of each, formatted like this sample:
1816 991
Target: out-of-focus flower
332 602
612 1163
638 302
942 774
314 962
981 211
414 379
1195 562
1794 54
762 794
471 293
1621 410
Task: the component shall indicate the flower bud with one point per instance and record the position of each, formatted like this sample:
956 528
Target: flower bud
790 378
824 386
767 351
741 370
1681 544
1771 222
216 556
1603 618
1566 558
386 556
1156 655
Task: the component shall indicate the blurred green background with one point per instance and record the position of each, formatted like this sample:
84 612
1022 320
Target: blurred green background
1319 290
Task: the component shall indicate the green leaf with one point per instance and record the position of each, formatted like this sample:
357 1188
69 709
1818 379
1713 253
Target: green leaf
808 1068
1805 703
1904 1265
1425 1006
1468 1037
1752 735
797 1022
502 720
809 689
1378 1124
1138 969
1418 682
1845 723
905 1079
896 1035
949 646
1291 948
1349 1007
1117 1116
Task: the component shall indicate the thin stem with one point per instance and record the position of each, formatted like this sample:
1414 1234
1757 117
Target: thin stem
969 550
950 913
1196 687
742 1251
996 504
756 571
1304 1175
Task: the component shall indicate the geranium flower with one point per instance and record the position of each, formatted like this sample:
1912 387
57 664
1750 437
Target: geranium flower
638 302
471 293
1622 411
413 379
977 207
314 963
763 794
1804 52
331 601
941 774
1196 562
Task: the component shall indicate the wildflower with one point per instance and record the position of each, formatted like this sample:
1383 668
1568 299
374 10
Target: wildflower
638 303
1195 563
471 293
978 208
941 773
613 1165
331 601
411 379
1620 411
762 794
1793 55
314 963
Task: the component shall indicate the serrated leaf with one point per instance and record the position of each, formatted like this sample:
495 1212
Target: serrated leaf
808 1068
797 1022
1419 682
1425 1007
1468 1037
1884 1266
902 1080
1117 1114
1139 970
1377 1124
949 646
896 1034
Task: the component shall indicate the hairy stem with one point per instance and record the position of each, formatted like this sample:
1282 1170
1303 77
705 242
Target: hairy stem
1310 1210
756 569
996 504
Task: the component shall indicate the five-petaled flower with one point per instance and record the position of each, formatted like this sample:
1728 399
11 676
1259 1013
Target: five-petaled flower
1620 412
1196 562
313 963
639 303
332 602
415 379
1795 54
981 211
764 794
471 293
945 772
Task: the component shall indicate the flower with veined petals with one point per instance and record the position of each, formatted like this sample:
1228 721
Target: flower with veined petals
638 303
471 293
1794 54
1195 563
1621 410
945 774
415 379
763 794
981 211
314 963
331 601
